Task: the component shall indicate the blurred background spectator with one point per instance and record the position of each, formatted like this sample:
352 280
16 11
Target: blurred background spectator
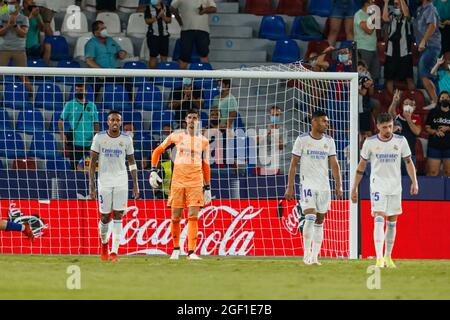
184 99
342 12
227 104
36 25
157 18
442 70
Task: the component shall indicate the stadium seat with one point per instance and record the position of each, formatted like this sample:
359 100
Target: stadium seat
342 36
24 164
74 24
11 145
272 28
137 65
286 51
259 7
60 48
126 44
114 95
111 21
65 4
137 28
148 98
5 121
15 96
36 63
135 118
30 121
159 117
298 32
68 80
43 146
321 8
90 5
292 7
58 164
239 123
49 97
209 96
202 83
127 6
317 47
78 53
381 47
205 119
195 57
169 82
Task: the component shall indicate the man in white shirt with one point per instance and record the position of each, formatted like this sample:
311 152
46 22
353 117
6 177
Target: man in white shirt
111 149
192 15
316 152
385 151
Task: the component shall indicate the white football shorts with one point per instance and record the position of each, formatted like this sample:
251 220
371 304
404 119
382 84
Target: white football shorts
112 198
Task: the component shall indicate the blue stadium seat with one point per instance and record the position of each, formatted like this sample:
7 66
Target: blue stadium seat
68 80
208 97
286 51
204 118
15 96
321 8
135 118
195 57
200 66
158 117
136 65
36 63
272 28
5 121
142 145
115 97
11 145
148 98
239 123
60 48
103 120
49 97
297 31
58 164
169 82
202 83
30 121
90 96
43 146
53 127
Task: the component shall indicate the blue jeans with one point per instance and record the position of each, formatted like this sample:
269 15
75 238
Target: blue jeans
428 59
342 9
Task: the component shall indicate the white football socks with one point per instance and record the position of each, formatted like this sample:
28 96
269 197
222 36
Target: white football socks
117 235
378 236
103 231
308 231
317 240
391 228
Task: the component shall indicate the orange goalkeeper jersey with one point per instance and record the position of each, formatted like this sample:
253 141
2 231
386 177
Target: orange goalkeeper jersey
192 155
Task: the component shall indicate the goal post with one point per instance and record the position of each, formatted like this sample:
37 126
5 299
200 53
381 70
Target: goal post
249 161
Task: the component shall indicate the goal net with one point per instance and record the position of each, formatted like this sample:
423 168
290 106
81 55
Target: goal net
251 131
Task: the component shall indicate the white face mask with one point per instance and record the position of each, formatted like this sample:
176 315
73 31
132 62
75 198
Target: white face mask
408 108
104 33
448 66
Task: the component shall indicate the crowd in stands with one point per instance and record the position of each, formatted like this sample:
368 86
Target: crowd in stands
412 44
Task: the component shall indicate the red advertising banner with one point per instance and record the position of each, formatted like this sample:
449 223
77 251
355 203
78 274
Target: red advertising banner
228 227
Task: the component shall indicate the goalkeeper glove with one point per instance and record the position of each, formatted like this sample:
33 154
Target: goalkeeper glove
155 179
207 194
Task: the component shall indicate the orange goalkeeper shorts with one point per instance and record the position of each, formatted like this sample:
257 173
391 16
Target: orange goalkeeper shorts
186 197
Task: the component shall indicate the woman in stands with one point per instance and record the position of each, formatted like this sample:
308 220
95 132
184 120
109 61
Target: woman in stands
438 128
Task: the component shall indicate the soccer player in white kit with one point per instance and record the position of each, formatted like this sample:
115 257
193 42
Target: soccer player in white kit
111 148
385 152
315 151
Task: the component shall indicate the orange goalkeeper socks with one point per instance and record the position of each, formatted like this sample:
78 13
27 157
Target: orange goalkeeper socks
175 231
192 233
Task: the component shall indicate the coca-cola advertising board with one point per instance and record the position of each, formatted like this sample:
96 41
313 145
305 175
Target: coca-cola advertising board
227 227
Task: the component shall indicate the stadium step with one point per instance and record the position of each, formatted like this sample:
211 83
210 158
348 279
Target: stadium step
231 31
237 65
239 44
238 55
227 7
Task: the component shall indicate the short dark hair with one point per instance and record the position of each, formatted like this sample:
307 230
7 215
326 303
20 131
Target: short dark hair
318 114
226 82
193 111
384 117
114 112
95 25
79 84
276 108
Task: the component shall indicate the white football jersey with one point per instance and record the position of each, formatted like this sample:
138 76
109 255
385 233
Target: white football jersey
314 167
385 158
112 152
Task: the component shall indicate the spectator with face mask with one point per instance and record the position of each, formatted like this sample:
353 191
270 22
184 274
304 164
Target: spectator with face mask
409 122
227 104
33 43
399 63
428 38
443 74
438 128
366 38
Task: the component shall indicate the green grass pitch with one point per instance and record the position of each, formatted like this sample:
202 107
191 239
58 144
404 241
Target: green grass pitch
144 277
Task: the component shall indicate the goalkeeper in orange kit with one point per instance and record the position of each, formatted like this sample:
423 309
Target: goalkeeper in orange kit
190 186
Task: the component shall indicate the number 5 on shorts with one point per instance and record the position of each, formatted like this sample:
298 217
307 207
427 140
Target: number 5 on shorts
376 196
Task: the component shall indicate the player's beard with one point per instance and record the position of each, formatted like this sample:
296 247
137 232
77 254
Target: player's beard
387 135
196 127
